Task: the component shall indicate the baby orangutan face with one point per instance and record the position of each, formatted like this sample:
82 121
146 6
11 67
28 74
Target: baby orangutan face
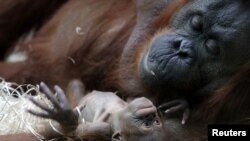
139 121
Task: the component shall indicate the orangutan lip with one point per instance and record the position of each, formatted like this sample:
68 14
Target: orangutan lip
146 65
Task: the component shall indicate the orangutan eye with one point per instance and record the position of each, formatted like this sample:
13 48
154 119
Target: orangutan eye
147 124
196 23
149 120
157 122
212 47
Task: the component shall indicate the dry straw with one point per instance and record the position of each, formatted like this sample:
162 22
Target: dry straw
14 102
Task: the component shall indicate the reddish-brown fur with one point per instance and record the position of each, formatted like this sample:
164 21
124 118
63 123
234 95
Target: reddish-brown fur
231 102
57 54
18 17
57 44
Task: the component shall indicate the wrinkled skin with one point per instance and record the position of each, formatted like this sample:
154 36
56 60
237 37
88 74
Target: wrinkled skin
140 122
134 121
203 47
206 43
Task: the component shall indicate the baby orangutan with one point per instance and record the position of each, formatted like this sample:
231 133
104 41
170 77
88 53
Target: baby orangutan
100 113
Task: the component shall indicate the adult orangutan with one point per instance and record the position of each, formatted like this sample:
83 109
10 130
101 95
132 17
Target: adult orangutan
85 40
139 48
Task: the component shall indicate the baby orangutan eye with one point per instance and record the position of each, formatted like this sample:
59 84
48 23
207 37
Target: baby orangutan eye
147 124
157 122
149 120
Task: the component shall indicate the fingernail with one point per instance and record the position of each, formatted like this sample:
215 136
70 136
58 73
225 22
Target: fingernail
183 122
167 111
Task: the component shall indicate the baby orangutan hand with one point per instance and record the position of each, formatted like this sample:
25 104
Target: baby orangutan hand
61 111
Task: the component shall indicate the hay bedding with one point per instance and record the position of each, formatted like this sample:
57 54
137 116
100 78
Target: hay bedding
15 119
13 105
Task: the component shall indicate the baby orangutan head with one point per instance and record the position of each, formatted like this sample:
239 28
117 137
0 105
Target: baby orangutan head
139 121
